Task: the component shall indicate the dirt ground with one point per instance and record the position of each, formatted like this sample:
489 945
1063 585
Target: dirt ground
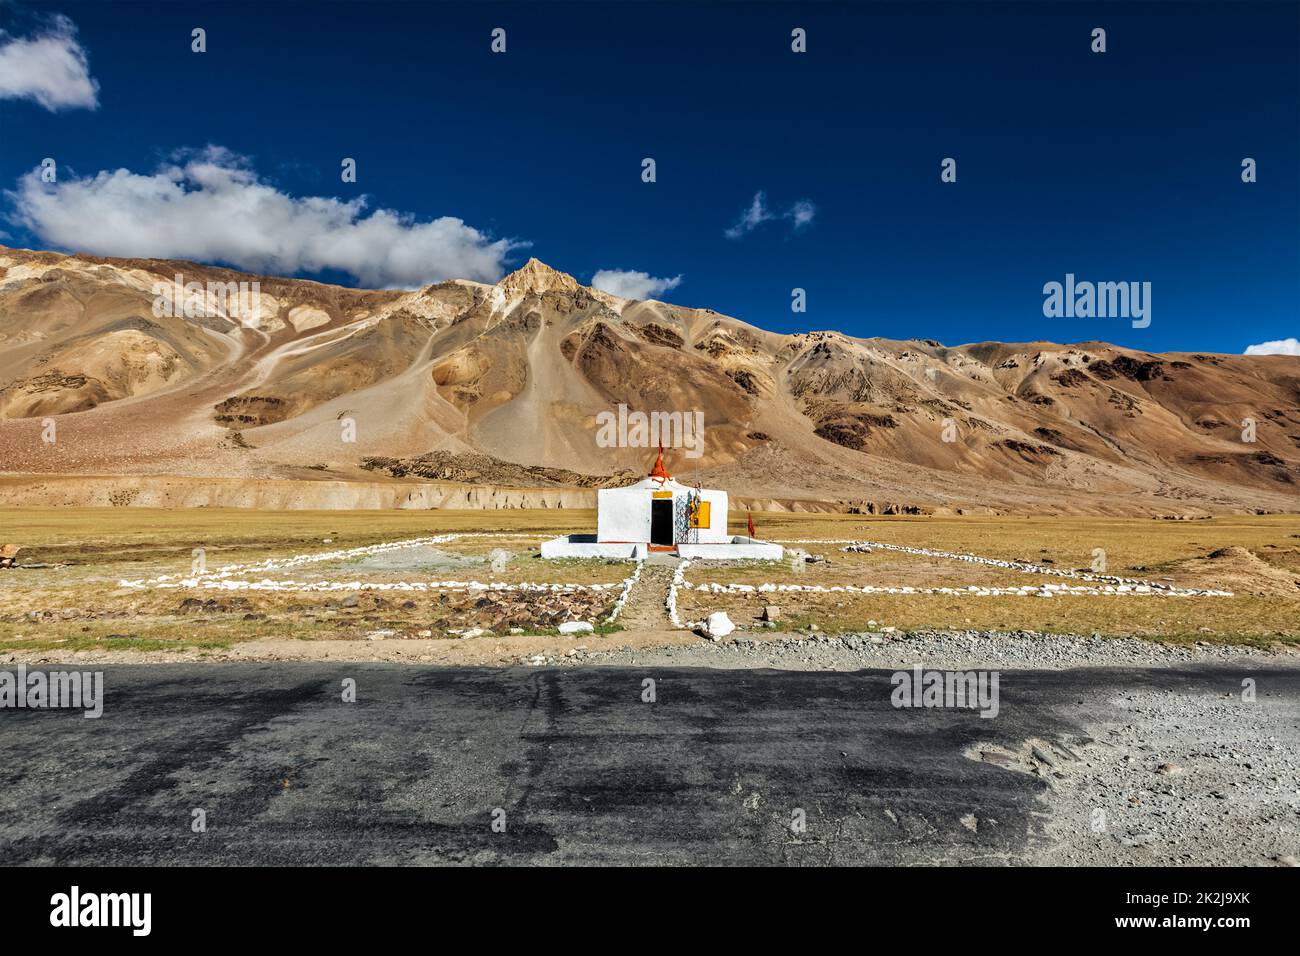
418 603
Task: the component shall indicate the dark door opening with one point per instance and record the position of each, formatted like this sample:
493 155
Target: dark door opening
661 521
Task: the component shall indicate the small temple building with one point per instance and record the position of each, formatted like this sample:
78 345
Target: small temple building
659 514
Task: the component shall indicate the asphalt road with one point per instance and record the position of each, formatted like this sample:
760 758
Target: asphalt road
713 771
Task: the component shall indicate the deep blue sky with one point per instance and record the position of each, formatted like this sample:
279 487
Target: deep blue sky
1122 166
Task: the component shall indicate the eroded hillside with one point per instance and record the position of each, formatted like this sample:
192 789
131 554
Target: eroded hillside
321 379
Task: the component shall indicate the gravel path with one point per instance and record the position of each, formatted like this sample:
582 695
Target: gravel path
942 649
1177 776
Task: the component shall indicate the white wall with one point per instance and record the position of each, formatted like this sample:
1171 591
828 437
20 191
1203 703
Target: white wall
717 529
624 514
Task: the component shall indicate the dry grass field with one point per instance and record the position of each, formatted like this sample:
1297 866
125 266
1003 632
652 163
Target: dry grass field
76 599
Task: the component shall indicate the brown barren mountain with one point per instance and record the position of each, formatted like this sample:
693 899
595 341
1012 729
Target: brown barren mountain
500 385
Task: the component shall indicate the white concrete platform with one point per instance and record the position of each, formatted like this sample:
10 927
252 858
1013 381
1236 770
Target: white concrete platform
586 546
738 548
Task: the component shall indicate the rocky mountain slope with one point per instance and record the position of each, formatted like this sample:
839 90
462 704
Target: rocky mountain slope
326 383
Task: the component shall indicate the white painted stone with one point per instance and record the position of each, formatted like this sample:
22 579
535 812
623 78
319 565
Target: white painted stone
718 625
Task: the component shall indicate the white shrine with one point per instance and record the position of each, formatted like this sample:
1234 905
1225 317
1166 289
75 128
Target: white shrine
659 514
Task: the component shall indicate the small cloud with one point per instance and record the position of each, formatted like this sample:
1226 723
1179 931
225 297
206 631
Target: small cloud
751 218
1289 346
630 284
211 205
800 214
49 67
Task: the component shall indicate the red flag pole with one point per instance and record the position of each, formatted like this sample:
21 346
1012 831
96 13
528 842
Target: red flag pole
751 523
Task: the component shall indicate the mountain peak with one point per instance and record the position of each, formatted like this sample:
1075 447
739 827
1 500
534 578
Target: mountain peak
535 277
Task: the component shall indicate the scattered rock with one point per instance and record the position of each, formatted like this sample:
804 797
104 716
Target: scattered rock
1139 839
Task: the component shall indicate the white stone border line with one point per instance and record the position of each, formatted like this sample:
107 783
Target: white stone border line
315 557
267 584
971 590
224 579
628 584
1121 585
1116 584
279 564
679 580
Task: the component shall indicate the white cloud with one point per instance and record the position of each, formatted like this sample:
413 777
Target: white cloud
1289 346
212 207
800 214
752 217
49 67
629 284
